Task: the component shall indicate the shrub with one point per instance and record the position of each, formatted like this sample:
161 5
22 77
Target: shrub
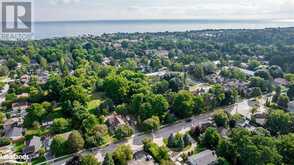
4 141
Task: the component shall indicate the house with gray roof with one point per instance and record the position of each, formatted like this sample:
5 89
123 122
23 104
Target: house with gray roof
291 106
206 157
33 147
14 133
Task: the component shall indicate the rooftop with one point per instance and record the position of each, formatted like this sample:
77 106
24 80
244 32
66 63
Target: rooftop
206 157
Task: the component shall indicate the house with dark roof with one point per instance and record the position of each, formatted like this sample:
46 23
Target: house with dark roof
24 79
206 157
20 106
113 121
33 146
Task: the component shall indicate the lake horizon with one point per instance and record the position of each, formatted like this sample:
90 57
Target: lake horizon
59 29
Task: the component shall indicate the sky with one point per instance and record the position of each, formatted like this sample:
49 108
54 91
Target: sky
69 10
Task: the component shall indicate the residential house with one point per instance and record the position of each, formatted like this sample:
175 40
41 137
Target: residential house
206 124
113 121
12 122
4 90
117 45
244 65
281 82
163 53
20 106
214 78
43 77
247 72
14 133
47 142
47 124
141 157
24 79
106 61
260 118
206 157
33 146
291 106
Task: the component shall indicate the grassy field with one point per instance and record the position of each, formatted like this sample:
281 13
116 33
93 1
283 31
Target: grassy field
96 99
18 146
38 160
93 104
36 132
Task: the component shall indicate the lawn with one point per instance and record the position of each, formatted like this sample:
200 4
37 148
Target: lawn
3 78
36 132
18 146
56 113
38 160
92 105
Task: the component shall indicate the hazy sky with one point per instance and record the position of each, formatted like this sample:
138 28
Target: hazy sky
54 10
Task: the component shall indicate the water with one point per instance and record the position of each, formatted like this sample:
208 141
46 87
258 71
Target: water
43 30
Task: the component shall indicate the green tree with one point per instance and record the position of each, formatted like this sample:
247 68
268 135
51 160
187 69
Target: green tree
54 86
123 131
230 96
75 142
228 150
58 146
263 73
183 104
211 138
35 113
222 161
74 93
4 71
283 101
108 159
4 141
158 153
146 106
286 148
117 88
89 160
279 122
218 93
254 64
221 118
152 123
2 117
161 87
89 123
60 125
198 72
256 92
122 154
278 91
